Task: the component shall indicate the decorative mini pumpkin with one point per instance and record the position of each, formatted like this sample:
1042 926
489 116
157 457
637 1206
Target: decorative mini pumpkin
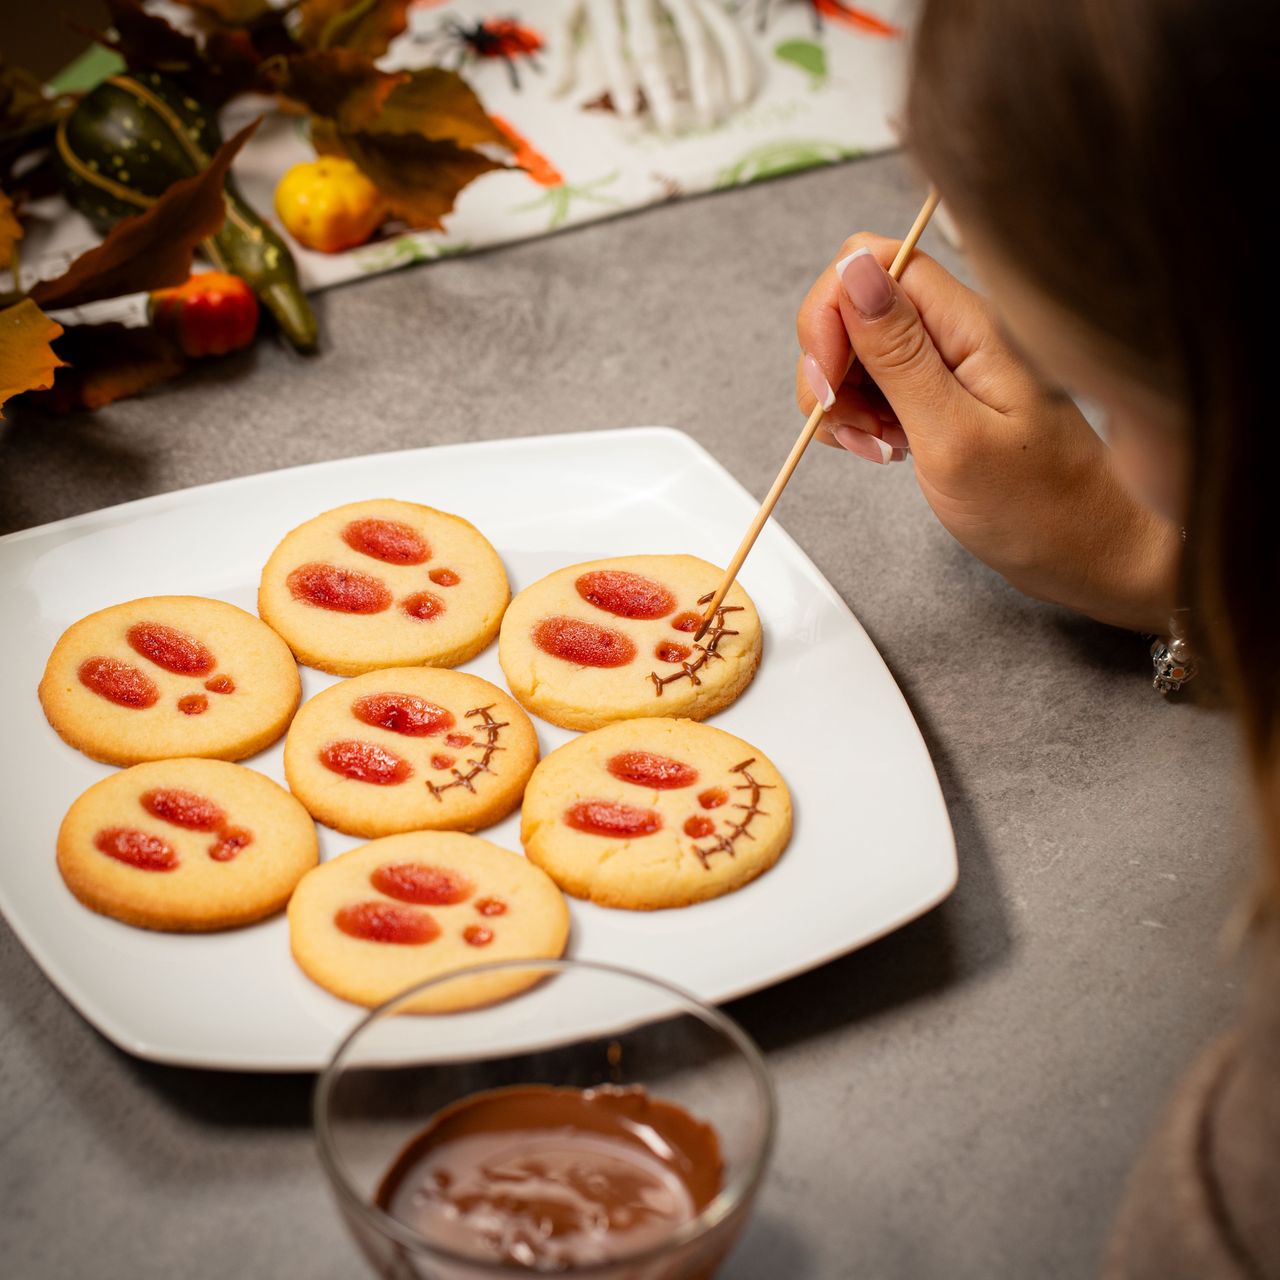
328 204
211 314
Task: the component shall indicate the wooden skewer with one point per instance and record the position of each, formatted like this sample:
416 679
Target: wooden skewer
802 441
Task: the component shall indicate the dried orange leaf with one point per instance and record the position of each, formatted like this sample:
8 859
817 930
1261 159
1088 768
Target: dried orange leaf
438 104
340 84
368 26
27 361
10 230
107 362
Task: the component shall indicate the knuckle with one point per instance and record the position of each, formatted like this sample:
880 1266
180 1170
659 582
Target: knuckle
903 346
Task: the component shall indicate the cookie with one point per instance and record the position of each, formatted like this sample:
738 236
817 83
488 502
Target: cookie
170 676
186 845
613 639
384 584
655 813
410 749
407 908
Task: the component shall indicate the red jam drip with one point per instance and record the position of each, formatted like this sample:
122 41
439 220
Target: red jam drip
339 590
422 884
183 809
669 651
402 713
422 606
442 762
457 741
625 595
609 818
583 643
387 922
229 843
687 621
387 540
648 770
365 762
713 798
444 577
171 649
193 704
136 849
699 826
491 907
220 684
476 935
118 682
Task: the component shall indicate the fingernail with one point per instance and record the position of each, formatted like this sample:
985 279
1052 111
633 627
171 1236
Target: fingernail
818 383
863 444
866 282
895 436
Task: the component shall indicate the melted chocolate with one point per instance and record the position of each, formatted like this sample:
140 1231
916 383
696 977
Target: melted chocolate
550 1178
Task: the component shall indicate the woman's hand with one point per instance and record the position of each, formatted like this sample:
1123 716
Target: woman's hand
1012 469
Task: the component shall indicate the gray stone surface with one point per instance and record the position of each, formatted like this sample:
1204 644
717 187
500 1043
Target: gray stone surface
960 1099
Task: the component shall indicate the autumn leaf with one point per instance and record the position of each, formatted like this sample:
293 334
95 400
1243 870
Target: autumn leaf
107 362
26 114
235 13
368 26
340 84
152 249
27 361
147 42
439 104
10 234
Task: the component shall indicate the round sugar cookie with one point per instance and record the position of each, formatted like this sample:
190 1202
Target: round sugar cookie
407 908
410 749
612 639
384 584
186 845
170 676
656 813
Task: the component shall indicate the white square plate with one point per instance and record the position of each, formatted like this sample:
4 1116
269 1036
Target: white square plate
872 847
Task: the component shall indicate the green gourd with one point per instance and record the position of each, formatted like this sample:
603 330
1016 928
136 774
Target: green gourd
133 136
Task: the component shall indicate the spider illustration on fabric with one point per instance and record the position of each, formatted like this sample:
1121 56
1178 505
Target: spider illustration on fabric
490 728
723 842
503 38
845 14
708 649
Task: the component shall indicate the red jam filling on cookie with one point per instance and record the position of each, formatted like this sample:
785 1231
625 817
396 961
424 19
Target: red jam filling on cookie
220 684
443 762
387 922
444 577
183 809
118 682
583 643
193 704
402 713
229 843
699 826
609 818
713 798
387 540
136 849
339 590
458 740
669 651
422 884
687 621
625 595
648 770
476 935
491 907
365 762
422 606
171 649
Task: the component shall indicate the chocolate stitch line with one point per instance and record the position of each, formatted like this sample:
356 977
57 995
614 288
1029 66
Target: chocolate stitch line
490 727
710 649
724 843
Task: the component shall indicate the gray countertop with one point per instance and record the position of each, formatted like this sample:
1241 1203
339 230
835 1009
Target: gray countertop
960 1099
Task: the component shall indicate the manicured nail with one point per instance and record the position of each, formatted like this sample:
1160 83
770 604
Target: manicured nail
818 383
895 436
863 444
866 282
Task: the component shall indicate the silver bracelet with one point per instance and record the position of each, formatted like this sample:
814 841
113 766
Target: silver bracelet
1171 656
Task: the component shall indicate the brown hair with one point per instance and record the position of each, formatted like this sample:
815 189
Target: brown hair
1116 153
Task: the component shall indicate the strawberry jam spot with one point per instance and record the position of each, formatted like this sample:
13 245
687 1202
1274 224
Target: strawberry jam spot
423 606
457 741
444 577
229 843
220 684
402 713
136 849
387 540
365 762
442 761
193 704
713 798
669 651
583 643
118 682
687 621
699 825
387 922
491 907
476 935
170 648
609 818
339 590
183 809
648 770
625 595
425 885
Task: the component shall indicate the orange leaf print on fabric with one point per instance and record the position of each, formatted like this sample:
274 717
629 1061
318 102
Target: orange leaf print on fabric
528 157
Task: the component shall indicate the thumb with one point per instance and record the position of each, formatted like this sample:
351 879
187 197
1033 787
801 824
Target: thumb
893 346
